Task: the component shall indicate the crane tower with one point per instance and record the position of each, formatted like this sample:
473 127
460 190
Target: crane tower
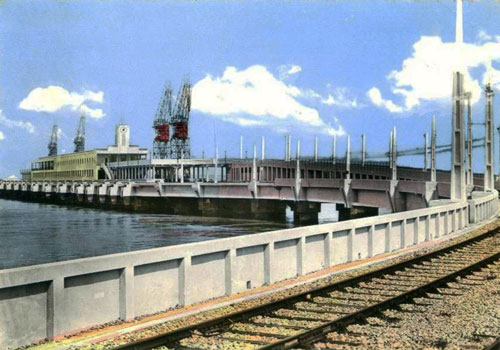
79 139
53 142
179 145
161 125
175 144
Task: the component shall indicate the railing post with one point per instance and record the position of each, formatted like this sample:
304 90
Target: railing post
446 223
301 243
437 232
427 227
185 280
268 263
328 249
127 293
388 229
370 241
402 238
415 230
230 263
350 242
55 308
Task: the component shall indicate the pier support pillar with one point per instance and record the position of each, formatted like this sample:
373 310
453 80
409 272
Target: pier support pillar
257 209
356 212
305 213
80 193
268 210
103 192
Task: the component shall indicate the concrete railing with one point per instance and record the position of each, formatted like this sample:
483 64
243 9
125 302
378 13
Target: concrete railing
50 299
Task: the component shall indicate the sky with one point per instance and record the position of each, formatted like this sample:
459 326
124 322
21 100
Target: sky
258 68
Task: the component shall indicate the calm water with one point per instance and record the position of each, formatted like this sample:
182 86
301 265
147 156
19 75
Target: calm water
32 233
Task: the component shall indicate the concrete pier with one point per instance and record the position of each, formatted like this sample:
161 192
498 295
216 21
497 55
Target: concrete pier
305 213
355 212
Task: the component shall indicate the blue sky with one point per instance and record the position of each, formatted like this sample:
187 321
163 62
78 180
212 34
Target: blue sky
260 68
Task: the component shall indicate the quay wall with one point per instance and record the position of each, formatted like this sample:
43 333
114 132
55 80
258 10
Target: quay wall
43 301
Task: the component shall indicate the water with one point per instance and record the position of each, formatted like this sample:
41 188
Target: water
33 233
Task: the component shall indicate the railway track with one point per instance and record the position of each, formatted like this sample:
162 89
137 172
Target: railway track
318 318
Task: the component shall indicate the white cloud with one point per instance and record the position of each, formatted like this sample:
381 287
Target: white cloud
308 93
16 123
2 136
286 70
483 36
253 96
493 77
427 74
329 101
340 97
294 69
96 113
249 122
376 97
54 98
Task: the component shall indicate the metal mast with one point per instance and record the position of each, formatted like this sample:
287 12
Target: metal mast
79 139
488 142
457 190
426 152
161 126
469 176
433 149
180 120
53 141
363 149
